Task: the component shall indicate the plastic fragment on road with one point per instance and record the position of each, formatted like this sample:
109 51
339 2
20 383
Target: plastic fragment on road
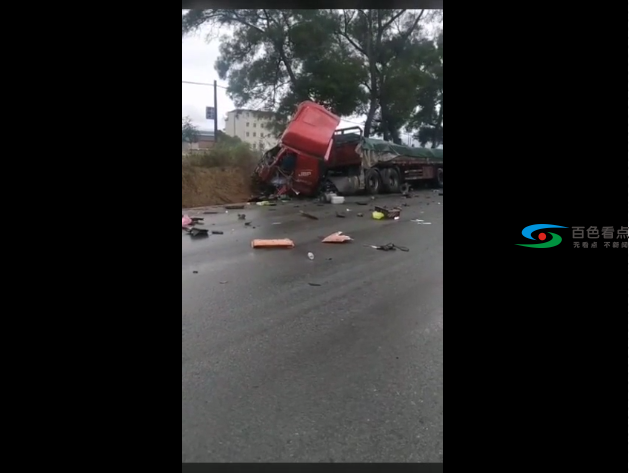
264 203
185 221
388 213
281 243
337 237
377 215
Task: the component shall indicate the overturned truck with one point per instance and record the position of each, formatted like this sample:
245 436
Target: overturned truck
313 158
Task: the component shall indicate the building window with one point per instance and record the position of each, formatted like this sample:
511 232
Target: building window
255 124
254 133
247 124
261 135
261 145
247 134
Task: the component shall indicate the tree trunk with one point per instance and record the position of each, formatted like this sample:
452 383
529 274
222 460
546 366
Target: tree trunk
373 105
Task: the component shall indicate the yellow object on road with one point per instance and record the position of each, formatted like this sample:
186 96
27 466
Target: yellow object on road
377 215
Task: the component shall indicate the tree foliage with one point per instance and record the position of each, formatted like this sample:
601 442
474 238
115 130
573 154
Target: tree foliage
373 62
189 132
428 116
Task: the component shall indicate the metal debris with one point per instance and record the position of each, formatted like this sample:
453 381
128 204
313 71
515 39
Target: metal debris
390 247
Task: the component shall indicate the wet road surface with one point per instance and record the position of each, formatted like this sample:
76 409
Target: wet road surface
276 370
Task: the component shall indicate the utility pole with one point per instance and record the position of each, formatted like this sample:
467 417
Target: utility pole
215 114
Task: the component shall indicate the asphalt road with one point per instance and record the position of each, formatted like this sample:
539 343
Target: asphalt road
276 370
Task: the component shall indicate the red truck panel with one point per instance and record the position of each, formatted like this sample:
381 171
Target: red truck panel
311 130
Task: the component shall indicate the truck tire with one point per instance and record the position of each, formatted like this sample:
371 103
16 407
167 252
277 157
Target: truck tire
373 181
391 180
440 178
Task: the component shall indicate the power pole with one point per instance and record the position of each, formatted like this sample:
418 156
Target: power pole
215 114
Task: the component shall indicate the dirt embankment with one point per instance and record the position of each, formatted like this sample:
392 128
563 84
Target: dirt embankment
216 185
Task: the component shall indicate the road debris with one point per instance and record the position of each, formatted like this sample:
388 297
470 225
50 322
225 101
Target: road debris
314 284
359 214
242 217
377 215
307 215
217 232
339 215
389 247
234 207
388 213
311 256
281 243
185 221
421 222
337 237
247 224
196 232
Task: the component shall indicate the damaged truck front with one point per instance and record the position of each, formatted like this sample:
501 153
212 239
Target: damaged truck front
314 157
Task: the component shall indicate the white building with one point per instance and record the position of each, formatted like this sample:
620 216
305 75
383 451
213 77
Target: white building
251 126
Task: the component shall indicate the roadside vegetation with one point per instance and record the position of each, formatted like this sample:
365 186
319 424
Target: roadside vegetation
218 175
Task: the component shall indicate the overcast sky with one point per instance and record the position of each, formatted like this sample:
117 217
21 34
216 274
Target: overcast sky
197 65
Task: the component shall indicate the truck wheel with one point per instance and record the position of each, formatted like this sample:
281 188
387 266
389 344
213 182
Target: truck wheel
440 178
391 180
373 182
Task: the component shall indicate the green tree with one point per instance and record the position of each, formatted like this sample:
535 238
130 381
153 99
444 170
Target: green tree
386 41
189 132
275 59
428 116
369 62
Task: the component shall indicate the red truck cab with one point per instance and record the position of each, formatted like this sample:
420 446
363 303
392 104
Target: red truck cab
298 163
